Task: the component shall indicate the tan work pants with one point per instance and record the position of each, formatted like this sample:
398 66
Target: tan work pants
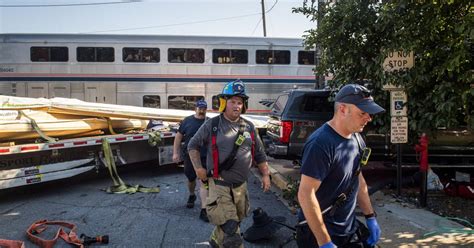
226 203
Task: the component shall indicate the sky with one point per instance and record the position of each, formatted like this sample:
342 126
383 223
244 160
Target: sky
154 17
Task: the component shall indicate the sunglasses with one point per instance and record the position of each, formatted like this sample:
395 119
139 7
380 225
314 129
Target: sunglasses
364 93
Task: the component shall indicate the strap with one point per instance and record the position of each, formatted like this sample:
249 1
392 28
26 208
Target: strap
154 138
252 136
230 160
349 190
37 129
12 243
110 126
41 225
215 152
119 186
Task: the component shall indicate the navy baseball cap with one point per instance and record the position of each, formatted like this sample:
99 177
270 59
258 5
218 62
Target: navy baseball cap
360 96
201 104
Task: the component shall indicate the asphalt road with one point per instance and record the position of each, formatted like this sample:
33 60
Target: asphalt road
138 220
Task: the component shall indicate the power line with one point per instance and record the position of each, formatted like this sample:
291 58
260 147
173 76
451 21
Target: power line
256 26
171 25
271 7
66 5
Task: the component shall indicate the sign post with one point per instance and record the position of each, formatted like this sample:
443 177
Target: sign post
398 60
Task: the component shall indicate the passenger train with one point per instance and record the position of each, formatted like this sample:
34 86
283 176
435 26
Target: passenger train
151 71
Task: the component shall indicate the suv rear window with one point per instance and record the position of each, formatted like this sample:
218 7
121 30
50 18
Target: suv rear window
316 104
311 103
280 103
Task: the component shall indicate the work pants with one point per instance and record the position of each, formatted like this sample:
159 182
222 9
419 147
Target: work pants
226 203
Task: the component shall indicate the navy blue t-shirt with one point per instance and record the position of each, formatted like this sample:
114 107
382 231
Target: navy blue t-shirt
188 127
333 159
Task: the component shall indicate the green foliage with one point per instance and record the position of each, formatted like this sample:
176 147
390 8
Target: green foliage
291 192
355 37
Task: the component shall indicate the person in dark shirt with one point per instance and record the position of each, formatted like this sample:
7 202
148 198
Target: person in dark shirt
186 131
330 170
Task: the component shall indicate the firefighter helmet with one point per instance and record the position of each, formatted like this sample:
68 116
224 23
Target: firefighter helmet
233 88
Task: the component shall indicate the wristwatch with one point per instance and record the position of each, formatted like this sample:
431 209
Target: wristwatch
367 216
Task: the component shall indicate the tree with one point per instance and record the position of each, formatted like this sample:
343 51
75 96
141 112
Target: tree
355 36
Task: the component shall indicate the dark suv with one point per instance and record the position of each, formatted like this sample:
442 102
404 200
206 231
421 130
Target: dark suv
294 116
297 113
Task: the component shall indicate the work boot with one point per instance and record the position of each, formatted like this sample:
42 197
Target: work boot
232 241
191 200
203 215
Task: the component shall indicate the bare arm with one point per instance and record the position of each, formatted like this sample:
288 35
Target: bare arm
311 209
195 156
363 197
177 146
266 183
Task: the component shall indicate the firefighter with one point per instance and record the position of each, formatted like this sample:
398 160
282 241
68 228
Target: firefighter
233 146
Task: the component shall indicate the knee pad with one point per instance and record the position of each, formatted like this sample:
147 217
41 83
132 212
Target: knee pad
230 227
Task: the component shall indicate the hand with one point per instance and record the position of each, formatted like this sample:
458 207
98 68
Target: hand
329 244
374 230
201 174
176 157
266 183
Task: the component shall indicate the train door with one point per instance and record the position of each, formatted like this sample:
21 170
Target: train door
37 89
60 90
100 92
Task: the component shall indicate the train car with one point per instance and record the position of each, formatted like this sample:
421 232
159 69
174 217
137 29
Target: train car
151 71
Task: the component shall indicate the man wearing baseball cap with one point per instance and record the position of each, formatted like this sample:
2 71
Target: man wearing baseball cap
331 182
186 131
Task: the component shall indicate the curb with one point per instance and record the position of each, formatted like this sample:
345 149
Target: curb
278 179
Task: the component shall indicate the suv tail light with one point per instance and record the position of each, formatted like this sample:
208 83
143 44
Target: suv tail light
285 131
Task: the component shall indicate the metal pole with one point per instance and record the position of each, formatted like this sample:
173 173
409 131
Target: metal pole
263 19
399 169
424 188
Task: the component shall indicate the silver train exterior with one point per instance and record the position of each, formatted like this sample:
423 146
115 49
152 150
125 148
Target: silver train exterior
151 71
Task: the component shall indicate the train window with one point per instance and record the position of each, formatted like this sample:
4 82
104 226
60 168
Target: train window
215 103
281 57
95 54
51 54
151 101
185 55
306 57
141 54
183 102
229 56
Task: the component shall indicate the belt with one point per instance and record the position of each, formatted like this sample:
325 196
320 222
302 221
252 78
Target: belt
227 184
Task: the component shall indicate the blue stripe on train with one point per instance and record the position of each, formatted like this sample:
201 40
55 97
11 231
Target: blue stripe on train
182 80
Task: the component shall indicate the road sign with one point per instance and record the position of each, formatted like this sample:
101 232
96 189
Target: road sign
399 130
398 100
398 60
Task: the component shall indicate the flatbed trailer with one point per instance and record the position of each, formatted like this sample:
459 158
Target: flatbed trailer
32 163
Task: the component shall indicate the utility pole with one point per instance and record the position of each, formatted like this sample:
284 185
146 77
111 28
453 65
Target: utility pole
263 19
